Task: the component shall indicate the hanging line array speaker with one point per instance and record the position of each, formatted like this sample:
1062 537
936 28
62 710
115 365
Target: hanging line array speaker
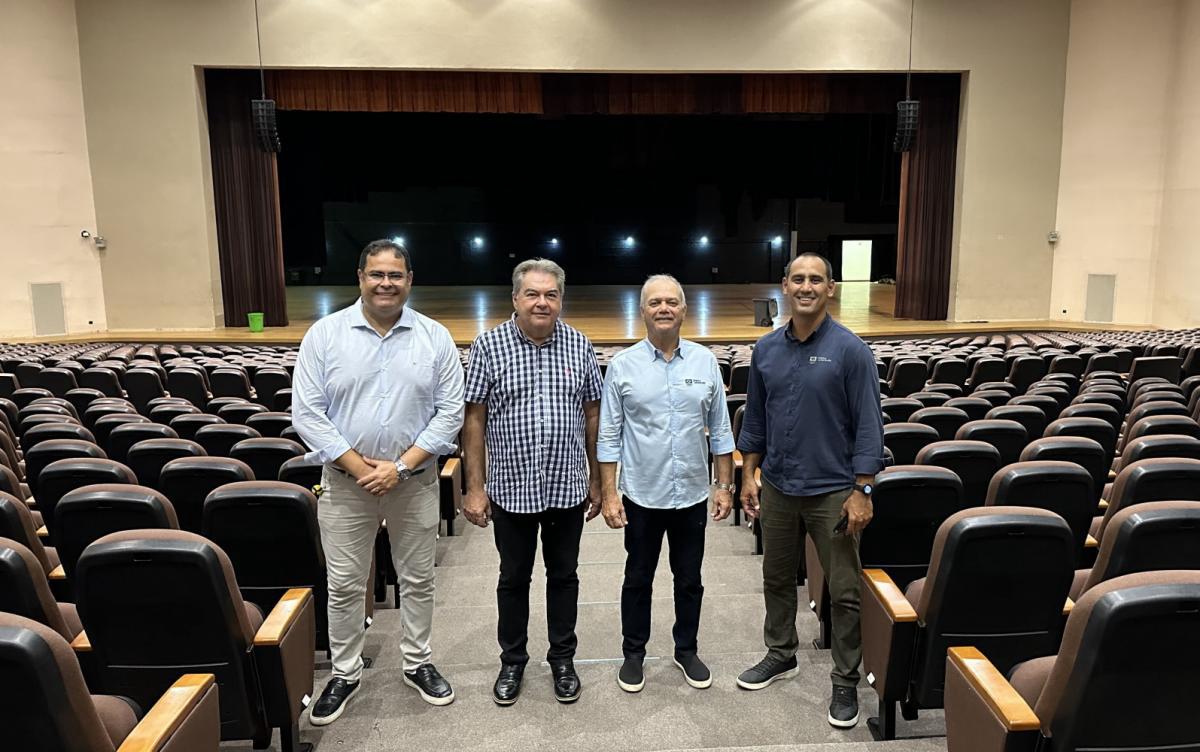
265 128
907 114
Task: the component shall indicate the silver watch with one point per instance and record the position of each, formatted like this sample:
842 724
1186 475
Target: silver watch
402 471
723 486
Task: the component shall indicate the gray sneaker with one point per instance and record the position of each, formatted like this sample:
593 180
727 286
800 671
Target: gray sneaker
770 669
843 708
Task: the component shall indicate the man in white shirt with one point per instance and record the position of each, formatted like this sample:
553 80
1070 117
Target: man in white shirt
377 396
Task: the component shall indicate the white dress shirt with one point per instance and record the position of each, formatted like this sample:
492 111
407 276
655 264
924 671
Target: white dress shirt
378 395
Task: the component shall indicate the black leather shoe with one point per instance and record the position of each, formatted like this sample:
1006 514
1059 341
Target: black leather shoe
508 683
429 683
566 681
329 706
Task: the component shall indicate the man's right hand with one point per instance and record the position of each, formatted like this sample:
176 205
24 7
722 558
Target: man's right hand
477 508
749 497
614 511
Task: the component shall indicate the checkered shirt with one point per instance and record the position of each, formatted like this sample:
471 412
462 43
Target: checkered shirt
536 454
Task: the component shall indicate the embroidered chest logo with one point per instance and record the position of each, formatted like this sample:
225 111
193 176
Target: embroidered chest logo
818 359
695 382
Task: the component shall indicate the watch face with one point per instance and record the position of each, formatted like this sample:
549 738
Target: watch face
867 489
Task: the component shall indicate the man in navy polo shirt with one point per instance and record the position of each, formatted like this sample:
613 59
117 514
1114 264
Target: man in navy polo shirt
814 424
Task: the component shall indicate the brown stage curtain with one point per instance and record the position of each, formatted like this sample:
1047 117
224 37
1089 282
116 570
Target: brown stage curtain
583 93
927 204
246 194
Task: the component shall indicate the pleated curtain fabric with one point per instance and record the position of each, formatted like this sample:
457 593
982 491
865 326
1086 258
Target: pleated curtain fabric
246 195
923 243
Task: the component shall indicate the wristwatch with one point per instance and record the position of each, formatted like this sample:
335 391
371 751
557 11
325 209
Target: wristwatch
723 486
402 471
866 488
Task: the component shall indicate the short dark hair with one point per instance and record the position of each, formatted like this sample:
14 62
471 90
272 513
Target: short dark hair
809 254
381 245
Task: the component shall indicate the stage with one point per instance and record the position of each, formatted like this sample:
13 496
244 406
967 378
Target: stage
608 314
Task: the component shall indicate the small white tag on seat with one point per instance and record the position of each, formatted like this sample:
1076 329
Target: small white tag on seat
305 700
871 678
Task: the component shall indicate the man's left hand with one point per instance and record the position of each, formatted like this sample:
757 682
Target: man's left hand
722 504
858 511
381 479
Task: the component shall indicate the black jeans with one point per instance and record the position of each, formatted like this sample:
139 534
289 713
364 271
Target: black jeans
516 540
684 529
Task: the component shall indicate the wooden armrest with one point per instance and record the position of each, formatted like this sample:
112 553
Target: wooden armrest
168 714
42 532
898 607
1112 475
1090 542
1010 708
1070 604
1103 504
449 468
737 459
282 616
58 573
81 643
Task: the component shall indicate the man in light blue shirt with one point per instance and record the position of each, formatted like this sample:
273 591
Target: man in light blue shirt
662 409
377 395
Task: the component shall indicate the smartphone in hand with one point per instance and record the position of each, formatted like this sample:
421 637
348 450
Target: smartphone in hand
840 527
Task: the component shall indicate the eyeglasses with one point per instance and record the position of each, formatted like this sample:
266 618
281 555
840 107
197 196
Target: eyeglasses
390 276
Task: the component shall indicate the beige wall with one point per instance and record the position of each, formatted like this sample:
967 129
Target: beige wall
45 182
1177 288
1129 202
150 154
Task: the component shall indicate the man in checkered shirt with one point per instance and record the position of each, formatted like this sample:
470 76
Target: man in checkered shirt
533 396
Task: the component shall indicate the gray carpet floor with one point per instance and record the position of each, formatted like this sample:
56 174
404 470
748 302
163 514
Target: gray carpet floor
667 715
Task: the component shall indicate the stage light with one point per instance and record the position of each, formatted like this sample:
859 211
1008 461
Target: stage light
554 242
777 241
629 242
477 242
398 240
703 241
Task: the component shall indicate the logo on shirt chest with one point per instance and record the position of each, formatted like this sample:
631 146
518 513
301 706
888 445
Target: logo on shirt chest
818 359
695 382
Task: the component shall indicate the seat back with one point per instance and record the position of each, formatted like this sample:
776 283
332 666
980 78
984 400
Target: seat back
188 481
187 425
949 371
1158 425
43 693
63 476
1025 370
1106 413
908 376
218 439
24 589
1156 535
1008 436
975 408
124 436
229 382
900 408
266 455
165 413
1064 488
46 431
306 473
240 412
998 580
975 462
147 458
16 523
1031 418
1165 366
905 440
910 503
1099 693
53 450
1160 445
987 369
104 380
267 382
269 531
1099 430
143 385
1160 479
160 603
189 383
87 514
945 420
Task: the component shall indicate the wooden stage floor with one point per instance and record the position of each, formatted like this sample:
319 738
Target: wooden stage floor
608 314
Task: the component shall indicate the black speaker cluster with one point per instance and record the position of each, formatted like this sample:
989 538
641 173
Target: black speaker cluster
266 130
907 114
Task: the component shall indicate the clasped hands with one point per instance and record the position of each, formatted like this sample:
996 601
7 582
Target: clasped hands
381 478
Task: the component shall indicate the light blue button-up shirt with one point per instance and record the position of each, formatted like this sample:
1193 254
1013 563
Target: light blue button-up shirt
653 417
378 395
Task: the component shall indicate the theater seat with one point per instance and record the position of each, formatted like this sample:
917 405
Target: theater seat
266 456
270 424
302 471
158 603
47 704
998 580
1143 538
218 439
1007 436
1160 479
1097 690
47 452
17 523
87 514
907 439
1064 488
945 420
975 462
188 481
25 591
61 477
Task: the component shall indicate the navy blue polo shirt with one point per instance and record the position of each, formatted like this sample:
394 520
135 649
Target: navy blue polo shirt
812 408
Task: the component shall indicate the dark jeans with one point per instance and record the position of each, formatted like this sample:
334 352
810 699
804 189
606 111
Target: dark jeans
684 529
516 540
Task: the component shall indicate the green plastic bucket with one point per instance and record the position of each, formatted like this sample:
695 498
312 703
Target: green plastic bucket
256 321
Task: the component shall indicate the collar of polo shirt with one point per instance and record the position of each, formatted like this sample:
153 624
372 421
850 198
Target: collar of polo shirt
787 330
